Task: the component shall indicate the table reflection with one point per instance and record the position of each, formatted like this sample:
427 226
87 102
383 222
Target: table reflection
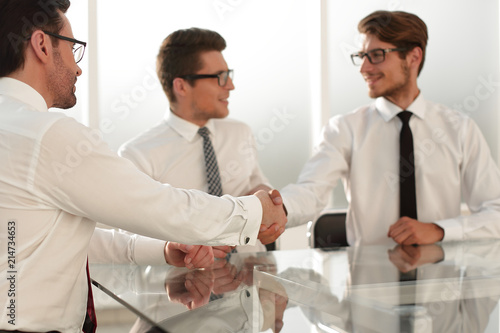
222 298
452 288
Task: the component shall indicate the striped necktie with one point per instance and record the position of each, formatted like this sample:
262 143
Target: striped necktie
211 167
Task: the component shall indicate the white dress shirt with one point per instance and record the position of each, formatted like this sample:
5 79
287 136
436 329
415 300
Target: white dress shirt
56 178
172 152
452 161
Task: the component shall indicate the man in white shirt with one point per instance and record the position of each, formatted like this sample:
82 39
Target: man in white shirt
57 177
197 82
450 158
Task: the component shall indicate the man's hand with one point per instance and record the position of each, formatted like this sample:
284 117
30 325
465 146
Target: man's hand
273 216
190 256
408 231
220 252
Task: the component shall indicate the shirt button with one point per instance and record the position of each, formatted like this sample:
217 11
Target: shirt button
247 240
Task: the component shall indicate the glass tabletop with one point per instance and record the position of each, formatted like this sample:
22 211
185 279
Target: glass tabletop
450 287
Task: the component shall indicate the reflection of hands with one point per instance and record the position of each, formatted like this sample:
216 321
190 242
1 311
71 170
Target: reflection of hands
408 257
273 308
193 289
190 256
246 272
408 231
273 216
225 277
273 299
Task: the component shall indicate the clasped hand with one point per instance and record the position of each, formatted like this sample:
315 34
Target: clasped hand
273 216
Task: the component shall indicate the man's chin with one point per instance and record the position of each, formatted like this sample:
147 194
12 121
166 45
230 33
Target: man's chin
65 105
373 94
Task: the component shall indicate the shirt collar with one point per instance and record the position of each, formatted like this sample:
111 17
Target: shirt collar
185 128
389 110
23 92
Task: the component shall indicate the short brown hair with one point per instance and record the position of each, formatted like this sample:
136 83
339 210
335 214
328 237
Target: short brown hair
180 55
403 30
20 18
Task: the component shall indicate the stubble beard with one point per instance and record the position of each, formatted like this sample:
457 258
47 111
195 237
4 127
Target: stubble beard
397 88
61 84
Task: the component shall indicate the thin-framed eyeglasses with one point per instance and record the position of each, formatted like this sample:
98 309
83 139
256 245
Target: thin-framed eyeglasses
78 50
222 77
375 56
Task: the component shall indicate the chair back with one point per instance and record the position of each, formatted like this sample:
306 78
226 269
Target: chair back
328 230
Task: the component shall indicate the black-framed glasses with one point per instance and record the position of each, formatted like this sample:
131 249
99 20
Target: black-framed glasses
78 50
375 56
222 77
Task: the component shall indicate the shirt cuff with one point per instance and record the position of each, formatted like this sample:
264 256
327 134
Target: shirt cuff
253 208
453 230
149 251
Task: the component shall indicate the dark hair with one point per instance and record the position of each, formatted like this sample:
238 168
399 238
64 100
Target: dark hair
180 55
401 29
20 18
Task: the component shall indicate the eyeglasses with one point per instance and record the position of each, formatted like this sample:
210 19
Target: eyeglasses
222 77
375 56
78 50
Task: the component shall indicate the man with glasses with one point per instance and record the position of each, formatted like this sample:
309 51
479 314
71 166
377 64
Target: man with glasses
197 82
405 162
57 177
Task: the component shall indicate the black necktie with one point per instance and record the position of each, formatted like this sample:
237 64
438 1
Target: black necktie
407 193
211 167
90 324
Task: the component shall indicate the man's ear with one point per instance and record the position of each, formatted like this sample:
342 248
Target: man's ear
41 45
415 57
180 86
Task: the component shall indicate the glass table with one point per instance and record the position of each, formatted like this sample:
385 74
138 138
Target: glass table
450 287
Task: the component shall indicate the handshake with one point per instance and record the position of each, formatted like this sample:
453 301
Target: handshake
273 215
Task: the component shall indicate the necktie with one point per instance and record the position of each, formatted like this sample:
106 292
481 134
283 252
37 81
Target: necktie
211 167
407 195
90 324
407 207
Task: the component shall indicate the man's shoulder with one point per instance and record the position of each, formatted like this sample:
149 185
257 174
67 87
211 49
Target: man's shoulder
16 114
447 115
361 112
158 133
